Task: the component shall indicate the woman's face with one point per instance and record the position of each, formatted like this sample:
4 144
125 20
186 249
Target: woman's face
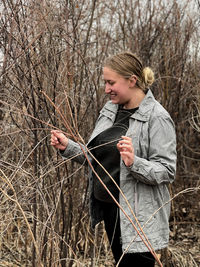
120 89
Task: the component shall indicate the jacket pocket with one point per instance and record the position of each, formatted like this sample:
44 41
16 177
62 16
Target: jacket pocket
128 189
146 208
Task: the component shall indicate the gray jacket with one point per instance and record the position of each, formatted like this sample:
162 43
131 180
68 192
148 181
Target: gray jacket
145 183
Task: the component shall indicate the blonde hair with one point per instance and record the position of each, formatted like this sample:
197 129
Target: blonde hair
127 64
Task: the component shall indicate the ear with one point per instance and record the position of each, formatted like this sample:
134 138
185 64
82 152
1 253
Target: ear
133 80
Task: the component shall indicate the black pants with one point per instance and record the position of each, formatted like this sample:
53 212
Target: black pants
112 226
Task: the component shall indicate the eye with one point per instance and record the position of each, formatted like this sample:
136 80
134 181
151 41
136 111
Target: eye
109 82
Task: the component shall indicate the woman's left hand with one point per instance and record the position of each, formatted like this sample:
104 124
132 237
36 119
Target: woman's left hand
125 147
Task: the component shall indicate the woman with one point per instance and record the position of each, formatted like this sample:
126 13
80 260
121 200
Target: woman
134 141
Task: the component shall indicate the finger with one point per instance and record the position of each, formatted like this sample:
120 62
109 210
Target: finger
56 133
125 145
54 138
126 138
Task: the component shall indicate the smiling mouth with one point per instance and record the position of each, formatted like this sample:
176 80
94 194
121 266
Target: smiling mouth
112 95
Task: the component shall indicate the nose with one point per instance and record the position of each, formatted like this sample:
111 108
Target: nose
107 89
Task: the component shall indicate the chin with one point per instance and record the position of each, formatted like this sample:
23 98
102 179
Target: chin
114 101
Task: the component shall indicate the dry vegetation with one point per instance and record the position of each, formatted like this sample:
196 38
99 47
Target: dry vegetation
53 53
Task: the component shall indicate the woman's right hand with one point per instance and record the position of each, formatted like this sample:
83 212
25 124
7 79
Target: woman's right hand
59 140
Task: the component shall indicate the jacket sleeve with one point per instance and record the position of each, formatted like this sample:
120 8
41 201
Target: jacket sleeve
160 165
74 152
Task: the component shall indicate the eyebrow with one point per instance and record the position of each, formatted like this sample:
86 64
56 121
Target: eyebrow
108 80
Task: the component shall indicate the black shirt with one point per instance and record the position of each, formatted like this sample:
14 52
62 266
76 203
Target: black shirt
107 154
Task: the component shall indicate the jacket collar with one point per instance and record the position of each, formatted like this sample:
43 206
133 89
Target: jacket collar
142 114
145 107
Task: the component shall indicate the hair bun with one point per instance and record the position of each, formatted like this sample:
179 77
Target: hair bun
148 76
